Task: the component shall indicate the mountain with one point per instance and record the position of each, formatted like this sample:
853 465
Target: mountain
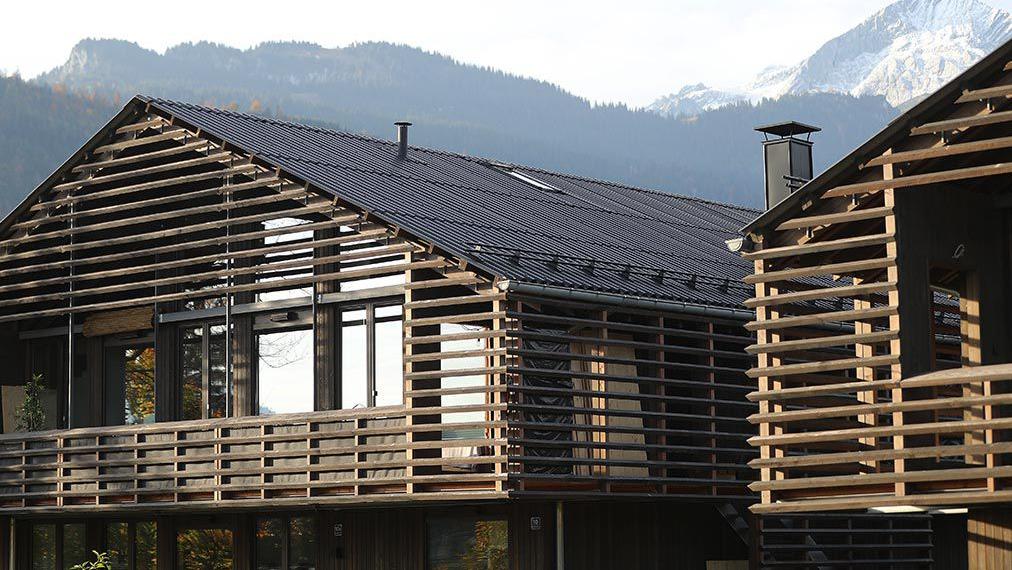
908 49
694 99
40 128
473 110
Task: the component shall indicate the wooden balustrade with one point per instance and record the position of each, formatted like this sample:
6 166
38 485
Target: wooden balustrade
926 449
291 459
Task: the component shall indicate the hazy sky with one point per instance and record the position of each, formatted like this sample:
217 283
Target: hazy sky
630 51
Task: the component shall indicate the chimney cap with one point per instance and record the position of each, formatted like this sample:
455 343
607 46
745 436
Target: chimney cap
787 129
402 123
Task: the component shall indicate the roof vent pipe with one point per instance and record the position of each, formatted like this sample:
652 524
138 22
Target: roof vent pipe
402 139
787 158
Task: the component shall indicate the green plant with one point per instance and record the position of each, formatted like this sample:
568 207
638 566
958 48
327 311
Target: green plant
101 562
31 416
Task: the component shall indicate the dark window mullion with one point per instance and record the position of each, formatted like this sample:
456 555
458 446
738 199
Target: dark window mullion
205 371
370 354
286 542
131 546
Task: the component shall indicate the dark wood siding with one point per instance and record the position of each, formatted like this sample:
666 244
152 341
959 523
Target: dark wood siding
645 536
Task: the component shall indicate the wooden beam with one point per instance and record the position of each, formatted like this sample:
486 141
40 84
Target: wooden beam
967 173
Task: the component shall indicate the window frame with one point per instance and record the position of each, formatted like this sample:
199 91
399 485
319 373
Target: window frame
119 343
299 323
131 553
205 367
369 321
286 538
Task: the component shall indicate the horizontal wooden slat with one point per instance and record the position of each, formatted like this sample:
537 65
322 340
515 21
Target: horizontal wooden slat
962 123
849 291
823 366
941 151
953 175
822 342
841 268
820 246
835 218
822 318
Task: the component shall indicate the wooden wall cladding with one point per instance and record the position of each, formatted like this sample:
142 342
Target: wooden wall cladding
608 399
989 538
856 409
604 536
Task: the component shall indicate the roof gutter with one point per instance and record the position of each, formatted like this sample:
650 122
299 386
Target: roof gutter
624 300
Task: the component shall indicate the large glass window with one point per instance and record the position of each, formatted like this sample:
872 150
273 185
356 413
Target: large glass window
204 388
132 545
44 547
58 546
372 364
130 384
463 543
285 369
286 543
75 550
465 345
204 549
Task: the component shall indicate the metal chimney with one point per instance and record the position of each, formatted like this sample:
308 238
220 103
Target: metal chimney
787 158
402 139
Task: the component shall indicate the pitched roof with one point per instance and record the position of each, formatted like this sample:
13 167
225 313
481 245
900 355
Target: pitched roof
894 132
515 222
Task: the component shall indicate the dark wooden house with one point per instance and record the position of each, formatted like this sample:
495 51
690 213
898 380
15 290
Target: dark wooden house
260 344
884 324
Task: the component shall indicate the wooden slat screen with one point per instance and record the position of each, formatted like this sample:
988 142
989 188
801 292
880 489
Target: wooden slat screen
607 399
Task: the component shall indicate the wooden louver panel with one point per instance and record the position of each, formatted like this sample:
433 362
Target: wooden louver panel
840 427
159 214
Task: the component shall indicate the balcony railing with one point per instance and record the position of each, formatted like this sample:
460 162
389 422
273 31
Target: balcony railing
293 459
935 440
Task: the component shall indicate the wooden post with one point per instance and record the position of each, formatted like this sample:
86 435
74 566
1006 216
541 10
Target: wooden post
560 537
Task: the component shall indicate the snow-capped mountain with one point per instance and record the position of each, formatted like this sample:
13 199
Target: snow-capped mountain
908 49
694 99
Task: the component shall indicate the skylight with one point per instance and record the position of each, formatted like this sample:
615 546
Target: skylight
526 178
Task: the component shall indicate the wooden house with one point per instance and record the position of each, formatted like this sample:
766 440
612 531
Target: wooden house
260 344
884 324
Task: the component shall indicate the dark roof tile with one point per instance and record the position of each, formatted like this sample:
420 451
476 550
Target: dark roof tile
578 232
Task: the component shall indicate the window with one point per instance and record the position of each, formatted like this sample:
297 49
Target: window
74 550
286 543
466 346
204 549
129 384
132 545
44 547
284 250
371 255
204 389
462 543
372 361
285 373
58 546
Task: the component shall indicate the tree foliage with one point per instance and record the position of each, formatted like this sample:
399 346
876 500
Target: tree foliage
101 562
31 416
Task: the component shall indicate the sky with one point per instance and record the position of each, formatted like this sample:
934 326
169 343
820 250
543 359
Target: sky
631 51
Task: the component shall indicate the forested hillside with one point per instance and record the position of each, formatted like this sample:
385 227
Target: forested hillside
40 127
454 106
